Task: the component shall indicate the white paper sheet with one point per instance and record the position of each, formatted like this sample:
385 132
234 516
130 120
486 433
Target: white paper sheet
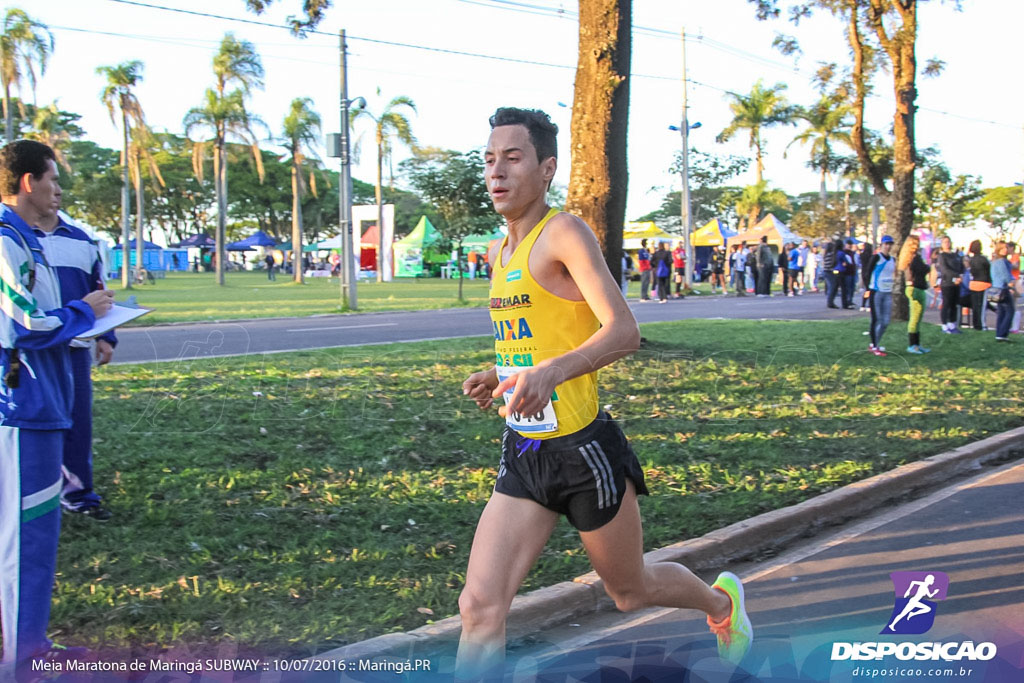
117 315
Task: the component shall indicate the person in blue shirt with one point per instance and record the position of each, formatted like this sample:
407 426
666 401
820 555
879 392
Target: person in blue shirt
35 400
795 269
1002 291
75 257
881 277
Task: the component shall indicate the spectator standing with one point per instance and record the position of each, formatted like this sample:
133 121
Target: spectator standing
765 266
627 271
75 258
831 262
950 268
36 394
795 270
981 280
1013 256
915 270
269 261
661 264
643 261
718 269
881 276
782 263
1002 291
848 282
740 269
867 252
751 273
679 265
812 261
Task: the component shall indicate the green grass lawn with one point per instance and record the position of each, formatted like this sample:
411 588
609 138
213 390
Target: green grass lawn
184 297
291 503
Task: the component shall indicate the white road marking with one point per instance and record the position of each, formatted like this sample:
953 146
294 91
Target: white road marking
341 327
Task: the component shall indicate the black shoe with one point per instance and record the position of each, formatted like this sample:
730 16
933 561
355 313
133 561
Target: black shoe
848 307
832 306
97 512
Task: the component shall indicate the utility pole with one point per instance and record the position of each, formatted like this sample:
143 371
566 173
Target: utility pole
346 273
685 194
126 256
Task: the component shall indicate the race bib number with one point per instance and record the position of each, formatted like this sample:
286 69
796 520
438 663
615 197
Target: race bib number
543 421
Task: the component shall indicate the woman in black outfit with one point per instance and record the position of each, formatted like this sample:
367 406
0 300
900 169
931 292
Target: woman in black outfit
951 274
865 276
661 264
981 280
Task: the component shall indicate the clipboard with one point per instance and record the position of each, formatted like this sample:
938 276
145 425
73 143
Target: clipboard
117 315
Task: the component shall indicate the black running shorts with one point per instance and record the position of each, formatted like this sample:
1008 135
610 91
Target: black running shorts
580 475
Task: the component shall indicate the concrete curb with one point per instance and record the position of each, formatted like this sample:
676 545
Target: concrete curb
568 600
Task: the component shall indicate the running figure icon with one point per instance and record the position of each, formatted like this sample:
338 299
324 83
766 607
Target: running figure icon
916 595
915 606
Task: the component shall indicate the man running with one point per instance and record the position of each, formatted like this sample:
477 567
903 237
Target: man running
558 316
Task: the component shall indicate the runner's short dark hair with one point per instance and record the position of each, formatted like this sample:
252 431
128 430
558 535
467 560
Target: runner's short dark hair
543 133
20 157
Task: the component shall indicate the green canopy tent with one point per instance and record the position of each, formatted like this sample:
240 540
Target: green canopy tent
417 248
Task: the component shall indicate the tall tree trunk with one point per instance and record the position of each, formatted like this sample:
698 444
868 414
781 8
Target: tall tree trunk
296 225
140 218
8 114
380 210
759 157
126 256
824 190
221 187
600 112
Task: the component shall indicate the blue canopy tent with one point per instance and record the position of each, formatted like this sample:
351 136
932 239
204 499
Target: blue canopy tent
155 257
201 241
252 242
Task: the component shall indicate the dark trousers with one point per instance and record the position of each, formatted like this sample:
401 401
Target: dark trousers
950 304
831 287
978 305
764 280
645 285
1004 317
848 284
663 287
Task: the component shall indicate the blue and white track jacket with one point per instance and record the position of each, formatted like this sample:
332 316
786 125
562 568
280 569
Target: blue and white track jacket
75 258
37 325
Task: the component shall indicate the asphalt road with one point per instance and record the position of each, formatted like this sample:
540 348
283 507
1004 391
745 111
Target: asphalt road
835 589
276 335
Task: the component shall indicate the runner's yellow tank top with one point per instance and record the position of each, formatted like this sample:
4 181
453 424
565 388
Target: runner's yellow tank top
532 325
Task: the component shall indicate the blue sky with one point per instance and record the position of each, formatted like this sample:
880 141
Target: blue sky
973 112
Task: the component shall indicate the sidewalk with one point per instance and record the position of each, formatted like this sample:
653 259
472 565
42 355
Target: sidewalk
766 533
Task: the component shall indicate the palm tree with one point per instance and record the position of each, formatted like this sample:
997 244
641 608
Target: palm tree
24 43
389 126
223 115
828 123
118 95
302 131
762 108
755 198
48 128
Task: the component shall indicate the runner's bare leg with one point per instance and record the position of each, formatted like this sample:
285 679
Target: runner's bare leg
616 553
510 536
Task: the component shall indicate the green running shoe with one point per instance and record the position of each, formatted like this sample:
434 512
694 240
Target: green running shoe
734 632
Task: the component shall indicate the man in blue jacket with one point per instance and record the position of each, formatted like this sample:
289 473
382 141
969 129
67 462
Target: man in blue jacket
35 399
75 257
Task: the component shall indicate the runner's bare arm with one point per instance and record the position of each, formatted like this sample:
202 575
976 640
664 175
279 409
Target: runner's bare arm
479 385
573 244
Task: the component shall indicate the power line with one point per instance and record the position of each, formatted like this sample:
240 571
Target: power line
533 9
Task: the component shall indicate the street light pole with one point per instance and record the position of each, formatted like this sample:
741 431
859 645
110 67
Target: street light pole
346 273
686 216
